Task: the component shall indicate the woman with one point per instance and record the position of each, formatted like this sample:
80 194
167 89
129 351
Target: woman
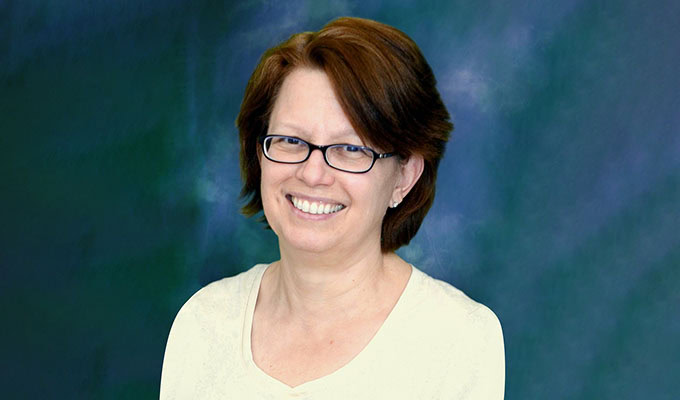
340 315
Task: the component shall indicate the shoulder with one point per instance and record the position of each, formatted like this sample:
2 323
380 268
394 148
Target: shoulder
450 304
468 335
205 334
220 297
218 306
454 321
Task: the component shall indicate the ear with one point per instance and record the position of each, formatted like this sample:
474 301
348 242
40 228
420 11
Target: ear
410 171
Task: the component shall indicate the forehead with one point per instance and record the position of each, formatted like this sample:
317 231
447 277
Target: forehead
307 106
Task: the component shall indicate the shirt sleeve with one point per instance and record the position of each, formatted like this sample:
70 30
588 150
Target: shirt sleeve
491 372
484 361
179 356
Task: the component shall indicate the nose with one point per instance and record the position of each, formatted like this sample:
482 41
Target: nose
315 171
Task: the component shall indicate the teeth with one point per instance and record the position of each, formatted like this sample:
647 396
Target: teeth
315 207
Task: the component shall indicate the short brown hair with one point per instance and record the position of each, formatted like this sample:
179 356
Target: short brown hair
386 89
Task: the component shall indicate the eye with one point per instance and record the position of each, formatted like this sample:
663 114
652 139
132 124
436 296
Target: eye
288 142
350 151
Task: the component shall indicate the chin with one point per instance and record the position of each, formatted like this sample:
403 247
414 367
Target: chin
307 242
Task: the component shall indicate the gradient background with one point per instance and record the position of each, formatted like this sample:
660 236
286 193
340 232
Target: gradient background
558 200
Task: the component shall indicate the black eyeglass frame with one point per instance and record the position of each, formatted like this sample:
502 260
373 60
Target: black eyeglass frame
312 147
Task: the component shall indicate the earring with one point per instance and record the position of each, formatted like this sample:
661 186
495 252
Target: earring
395 204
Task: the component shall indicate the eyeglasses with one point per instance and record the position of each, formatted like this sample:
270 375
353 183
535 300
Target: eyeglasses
343 157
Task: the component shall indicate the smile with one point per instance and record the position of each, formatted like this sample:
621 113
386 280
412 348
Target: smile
314 207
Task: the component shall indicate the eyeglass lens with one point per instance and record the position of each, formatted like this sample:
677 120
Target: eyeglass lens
342 156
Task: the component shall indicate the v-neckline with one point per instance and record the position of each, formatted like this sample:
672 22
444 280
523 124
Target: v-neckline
357 359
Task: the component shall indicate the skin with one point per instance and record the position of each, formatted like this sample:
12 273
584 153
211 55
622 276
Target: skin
321 304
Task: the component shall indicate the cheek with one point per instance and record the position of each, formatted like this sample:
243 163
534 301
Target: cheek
272 179
376 197
267 186
385 188
268 196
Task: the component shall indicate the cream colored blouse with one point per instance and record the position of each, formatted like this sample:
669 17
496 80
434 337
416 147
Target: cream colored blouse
436 343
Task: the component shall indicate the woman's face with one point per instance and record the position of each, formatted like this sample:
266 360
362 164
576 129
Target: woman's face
307 108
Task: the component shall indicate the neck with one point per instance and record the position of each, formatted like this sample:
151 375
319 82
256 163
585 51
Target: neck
314 289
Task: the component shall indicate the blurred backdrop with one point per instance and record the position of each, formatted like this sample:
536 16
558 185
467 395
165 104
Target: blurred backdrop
558 199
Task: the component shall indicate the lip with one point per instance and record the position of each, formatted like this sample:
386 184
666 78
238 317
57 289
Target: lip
315 217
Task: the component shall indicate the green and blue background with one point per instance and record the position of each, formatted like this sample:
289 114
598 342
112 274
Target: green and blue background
558 201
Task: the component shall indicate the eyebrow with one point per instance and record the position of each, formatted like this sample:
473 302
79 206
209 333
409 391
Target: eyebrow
336 137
